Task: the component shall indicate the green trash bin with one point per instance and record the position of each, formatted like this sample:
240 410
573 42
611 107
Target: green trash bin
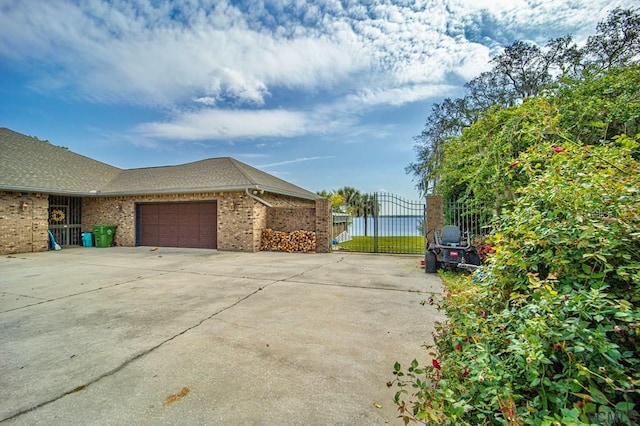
104 235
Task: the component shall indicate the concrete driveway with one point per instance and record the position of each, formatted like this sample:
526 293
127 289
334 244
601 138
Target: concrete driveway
177 336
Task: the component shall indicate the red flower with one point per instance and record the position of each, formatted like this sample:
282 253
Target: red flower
436 364
458 347
465 373
558 149
515 164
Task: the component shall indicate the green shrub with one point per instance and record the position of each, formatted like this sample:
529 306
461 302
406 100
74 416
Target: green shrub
548 332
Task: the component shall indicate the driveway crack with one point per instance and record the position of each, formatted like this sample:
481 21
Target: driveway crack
41 300
135 357
22 295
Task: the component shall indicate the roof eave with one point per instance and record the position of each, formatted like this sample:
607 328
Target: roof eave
280 191
33 189
233 188
100 193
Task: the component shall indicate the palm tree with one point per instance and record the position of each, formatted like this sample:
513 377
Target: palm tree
358 204
351 197
368 207
337 201
364 207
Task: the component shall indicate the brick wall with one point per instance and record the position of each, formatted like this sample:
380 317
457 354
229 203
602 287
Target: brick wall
23 222
235 222
240 218
277 200
289 219
234 216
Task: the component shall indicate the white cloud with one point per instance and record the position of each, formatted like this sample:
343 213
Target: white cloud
228 124
401 95
134 54
297 160
206 100
335 58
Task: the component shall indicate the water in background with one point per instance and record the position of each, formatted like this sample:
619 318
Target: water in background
399 226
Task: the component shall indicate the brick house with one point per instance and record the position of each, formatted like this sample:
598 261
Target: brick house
217 203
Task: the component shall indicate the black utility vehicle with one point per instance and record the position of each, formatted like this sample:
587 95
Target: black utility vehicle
448 251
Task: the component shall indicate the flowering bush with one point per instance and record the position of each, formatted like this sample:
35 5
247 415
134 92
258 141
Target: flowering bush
484 248
549 331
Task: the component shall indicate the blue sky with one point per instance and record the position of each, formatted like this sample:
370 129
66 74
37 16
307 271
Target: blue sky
324 94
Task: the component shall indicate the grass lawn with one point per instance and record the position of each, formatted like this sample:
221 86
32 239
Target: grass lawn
385 244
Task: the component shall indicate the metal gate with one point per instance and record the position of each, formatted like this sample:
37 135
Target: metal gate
65 219
472 217
381 223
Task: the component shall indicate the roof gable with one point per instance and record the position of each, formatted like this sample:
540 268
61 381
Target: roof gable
28 164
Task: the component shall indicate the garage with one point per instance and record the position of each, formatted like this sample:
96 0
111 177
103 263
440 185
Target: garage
190 225
218 203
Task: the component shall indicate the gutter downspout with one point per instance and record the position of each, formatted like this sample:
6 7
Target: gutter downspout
258 199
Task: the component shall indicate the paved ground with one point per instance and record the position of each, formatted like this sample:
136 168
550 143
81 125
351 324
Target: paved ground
177 336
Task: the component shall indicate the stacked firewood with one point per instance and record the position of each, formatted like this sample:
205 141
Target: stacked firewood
296 241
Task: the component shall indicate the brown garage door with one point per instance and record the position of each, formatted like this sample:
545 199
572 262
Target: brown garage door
178 225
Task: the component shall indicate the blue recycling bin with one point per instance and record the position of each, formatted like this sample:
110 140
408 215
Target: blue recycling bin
87 239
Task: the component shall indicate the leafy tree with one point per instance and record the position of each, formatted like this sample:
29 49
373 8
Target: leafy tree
564 57
366 207
351 197
484 91
522 71
447 120
352 201
601 105
525 67
482 163
617 42
337 201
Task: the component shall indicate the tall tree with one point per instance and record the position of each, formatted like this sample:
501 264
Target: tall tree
365 208
617 41
525 67
337 202
564 57
486 90
521 71
357 204
351 197
447 119
487 162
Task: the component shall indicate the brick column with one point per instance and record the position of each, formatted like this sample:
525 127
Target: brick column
323 225
435 215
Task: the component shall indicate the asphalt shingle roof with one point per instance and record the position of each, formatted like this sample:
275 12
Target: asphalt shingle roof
29 164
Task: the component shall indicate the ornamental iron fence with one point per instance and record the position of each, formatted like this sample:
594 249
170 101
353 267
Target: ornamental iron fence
381 223
472 217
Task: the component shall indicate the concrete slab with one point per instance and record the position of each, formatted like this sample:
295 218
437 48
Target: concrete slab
178 336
